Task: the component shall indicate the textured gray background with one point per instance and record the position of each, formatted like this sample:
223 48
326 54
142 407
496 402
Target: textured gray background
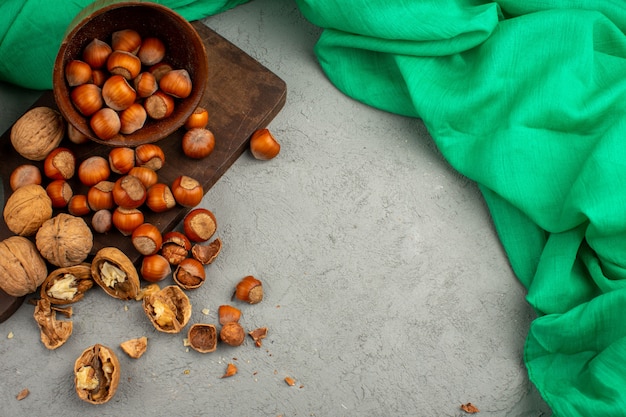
387 291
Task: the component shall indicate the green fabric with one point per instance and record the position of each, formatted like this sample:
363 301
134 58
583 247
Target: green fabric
525 97
528 99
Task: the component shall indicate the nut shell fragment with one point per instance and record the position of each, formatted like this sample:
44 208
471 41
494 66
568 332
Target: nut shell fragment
38 132
135 347
67 285
64 240
53 333
112 270
26 209
22 269
231 369
169 309
207 253
202 337
257 335
96 374
189 274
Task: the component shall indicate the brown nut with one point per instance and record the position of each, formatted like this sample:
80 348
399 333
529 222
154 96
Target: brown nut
168 309
175 247
96 374
53 333
147 239
149 155
102 221
135 348
60 164
23 175
129 192
202 337
78 205
189 274
22 269
199 224
67 285
155 268
38 132
60 193
100 196
160 198
206 254
64 240
112 270
127 220
232 333
27 209
263 145
122 159
187 191
227 313
198 143
249 289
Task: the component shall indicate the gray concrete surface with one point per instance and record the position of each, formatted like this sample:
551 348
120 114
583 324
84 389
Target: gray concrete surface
387 291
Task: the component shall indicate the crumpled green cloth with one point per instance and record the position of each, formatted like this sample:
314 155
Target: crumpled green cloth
528 99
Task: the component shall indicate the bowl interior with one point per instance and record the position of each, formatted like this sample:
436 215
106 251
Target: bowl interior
184 50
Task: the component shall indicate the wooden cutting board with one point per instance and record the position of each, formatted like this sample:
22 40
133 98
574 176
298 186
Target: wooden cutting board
241 97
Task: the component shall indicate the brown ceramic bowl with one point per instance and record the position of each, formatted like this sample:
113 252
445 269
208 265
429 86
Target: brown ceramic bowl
185 49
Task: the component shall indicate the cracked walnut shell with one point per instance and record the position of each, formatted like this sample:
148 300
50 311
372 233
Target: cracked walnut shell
96 374
38 132
54 333
112 270
169 309
64 240
27 209
67 285
22 269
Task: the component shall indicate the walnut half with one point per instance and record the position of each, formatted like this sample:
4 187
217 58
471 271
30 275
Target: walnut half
96 374
112 270
67 285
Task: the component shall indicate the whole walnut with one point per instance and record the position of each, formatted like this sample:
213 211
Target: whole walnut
38 132
64 240
22 269
27 209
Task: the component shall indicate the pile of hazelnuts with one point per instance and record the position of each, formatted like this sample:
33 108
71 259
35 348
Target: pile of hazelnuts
119 86
118 202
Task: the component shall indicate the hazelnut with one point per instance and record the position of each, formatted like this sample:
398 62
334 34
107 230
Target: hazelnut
232 333
23 175
199 224
249 289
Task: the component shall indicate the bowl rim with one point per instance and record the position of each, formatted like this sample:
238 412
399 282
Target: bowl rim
61 89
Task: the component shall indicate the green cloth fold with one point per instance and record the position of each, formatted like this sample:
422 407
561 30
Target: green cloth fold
527 98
